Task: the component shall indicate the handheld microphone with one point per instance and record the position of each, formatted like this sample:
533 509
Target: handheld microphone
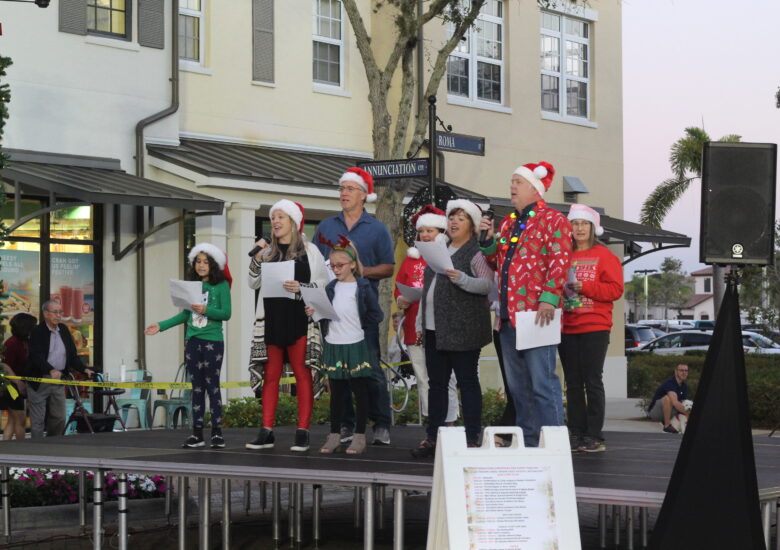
257 249
490 214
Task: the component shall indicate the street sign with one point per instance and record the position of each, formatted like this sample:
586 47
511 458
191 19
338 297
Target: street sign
460 143
386 169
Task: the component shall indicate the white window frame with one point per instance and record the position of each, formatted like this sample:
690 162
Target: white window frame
324 86
589 17
191 64
473 59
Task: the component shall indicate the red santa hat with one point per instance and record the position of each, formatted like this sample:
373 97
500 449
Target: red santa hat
582 212
292 209
209 249
540 175
363 179
428 216
474 211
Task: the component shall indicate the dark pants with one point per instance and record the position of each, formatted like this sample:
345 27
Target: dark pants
441 365
378 395
341 392
582 356
509 417
204 362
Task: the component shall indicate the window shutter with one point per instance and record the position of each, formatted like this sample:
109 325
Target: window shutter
263 40
151 23
73 16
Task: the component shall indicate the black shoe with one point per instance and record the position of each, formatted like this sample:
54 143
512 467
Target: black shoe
593 445
381 436
426 449
670 429
345 435
193 442
265 440
217 441
301 440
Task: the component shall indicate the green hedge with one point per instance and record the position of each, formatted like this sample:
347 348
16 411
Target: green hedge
246 412
647 371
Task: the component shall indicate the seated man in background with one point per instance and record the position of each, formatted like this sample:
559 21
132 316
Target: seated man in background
669 397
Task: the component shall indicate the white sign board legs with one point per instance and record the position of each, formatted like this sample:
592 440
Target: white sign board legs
503 498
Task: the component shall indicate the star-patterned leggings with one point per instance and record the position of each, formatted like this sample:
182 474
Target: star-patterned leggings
204 362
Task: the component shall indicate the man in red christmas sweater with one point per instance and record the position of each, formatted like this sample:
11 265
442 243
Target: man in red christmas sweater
531 255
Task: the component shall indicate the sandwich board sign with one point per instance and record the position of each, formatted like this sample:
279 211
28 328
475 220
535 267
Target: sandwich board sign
503 498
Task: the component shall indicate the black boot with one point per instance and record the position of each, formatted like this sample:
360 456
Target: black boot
195 440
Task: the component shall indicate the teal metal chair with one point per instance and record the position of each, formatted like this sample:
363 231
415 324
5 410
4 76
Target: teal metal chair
136 398
180 402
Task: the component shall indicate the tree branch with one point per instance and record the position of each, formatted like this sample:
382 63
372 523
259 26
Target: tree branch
363 39
657 205
404 104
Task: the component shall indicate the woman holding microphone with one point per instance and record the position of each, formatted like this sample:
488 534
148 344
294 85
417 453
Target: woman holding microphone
281 324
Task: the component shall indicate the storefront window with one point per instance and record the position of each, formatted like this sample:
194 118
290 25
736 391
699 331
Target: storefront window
28 206
73 286
20 268
72 223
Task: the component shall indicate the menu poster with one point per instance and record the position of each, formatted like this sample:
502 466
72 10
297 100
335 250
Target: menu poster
73 286
20 275
510 507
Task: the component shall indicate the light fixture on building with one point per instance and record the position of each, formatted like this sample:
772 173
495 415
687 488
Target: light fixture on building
572 187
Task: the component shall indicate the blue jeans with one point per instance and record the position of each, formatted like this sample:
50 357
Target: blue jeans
533 385
378 395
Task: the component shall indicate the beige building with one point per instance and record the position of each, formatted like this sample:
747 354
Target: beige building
270 100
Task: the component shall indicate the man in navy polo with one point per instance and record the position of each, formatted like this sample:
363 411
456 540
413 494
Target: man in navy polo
375 247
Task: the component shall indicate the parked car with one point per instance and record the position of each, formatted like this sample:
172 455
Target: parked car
677 343
704 324
636 335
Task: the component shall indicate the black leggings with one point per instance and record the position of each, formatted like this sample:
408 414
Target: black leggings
339 393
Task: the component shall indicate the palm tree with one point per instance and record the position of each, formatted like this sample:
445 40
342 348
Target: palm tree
685 161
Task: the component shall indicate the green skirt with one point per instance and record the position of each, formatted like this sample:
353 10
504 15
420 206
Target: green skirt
345 361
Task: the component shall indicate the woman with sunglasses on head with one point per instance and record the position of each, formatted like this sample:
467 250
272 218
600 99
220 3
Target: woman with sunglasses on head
595 282
455 324
281 324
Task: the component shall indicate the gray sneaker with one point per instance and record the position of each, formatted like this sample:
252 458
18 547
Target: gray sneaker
593 445
381 436
345 435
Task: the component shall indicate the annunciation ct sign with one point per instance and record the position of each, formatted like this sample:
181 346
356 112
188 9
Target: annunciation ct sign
385 169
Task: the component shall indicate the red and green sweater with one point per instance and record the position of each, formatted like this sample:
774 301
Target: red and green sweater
410 274
540 264
601 274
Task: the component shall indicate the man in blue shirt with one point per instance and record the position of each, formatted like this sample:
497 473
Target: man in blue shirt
669 397
376 251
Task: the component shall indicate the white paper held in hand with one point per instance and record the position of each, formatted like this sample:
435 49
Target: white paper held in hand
410 293
317 299
273 276
530 335
436 255
185 293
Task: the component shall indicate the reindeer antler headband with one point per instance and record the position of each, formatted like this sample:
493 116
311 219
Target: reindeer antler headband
342 246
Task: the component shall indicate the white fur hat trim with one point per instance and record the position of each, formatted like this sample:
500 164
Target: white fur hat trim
353 177
431 220
533 177
412 252
211 250
582 212
474 211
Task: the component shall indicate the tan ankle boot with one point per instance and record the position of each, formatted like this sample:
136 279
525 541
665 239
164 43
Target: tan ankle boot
358 445
331 444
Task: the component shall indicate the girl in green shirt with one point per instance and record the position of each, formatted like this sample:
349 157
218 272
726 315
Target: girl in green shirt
204 347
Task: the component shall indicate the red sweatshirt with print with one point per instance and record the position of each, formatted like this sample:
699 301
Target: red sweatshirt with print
601 274
410 274
540 265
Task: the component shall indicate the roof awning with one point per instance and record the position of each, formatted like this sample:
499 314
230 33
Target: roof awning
96 180
273 167
617 231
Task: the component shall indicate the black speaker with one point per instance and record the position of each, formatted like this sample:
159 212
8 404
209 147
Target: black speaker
738 203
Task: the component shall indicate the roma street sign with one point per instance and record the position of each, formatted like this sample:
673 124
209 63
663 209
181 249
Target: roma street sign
460 143
386 169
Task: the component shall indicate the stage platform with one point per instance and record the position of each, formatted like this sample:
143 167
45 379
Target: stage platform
633 472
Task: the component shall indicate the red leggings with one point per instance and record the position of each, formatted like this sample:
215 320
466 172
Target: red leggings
296 354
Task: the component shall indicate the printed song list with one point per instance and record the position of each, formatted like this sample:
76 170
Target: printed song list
510 508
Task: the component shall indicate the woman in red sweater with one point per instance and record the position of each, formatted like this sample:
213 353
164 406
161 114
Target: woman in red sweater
15 357
595 282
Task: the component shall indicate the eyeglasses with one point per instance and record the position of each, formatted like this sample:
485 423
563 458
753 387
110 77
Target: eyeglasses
54 311
349 188
339 266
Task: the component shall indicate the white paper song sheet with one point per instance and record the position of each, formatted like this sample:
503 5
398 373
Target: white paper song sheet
509 507
185 293
410 293
273 276
317 299
531 335
435 255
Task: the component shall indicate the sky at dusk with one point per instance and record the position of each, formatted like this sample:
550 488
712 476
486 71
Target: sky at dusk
714 63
